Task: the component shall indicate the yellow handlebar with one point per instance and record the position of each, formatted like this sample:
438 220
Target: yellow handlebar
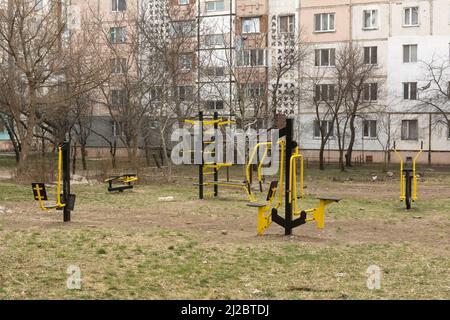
293 179
58 189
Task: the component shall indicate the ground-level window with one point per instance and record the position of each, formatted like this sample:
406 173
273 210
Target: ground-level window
327 126
185 93
214 104
117 129
410 130
448 130
370 128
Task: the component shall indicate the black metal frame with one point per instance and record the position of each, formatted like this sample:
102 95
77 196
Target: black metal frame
287 222
201 177
67 198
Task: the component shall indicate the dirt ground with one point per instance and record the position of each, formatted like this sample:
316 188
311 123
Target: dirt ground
217 216
169 243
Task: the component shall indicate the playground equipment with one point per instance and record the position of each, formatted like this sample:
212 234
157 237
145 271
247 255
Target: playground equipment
408 177
213 168
266 147
65 201
292 193
126 181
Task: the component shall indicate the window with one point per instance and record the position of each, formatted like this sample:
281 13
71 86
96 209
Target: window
370 92
448 130
252 57
186 62
117 129
156 93
324 92
214 104
185 93
370 128
215 71
117 34
286 24
215 40
324 22
411 16
410 130
183 2
371 55
182 29
254 90
410 90
119 5
39 4
215 5
250 25
119 98
409 53
118 65
448 90
325 57
326 126
370 19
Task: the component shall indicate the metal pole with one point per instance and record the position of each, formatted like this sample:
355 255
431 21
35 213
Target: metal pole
65 147
288 205
216 148
200 166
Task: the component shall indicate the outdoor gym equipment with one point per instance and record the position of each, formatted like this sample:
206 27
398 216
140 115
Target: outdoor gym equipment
65 201
292 193
266 147
126 181
408 177
213 168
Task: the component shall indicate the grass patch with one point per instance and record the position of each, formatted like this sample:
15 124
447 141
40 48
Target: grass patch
193 269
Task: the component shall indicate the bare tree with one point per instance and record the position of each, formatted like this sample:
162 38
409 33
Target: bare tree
435 95
46 69
362 89
169 63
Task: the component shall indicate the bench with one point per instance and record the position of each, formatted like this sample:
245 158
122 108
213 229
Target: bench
125 178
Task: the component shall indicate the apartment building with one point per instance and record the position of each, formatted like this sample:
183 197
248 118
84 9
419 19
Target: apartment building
115 24
400 38
233 48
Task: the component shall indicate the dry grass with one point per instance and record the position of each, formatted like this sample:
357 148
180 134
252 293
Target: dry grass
131 246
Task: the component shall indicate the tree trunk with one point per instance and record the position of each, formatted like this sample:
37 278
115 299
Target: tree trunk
27 140
83 156
321 157
74 160
349 155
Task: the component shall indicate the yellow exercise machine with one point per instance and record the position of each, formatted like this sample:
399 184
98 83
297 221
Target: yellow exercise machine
65 201
126 181
268 212
213 168
267 146
408 177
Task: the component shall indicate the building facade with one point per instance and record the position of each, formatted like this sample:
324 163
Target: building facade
233 62
401 38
